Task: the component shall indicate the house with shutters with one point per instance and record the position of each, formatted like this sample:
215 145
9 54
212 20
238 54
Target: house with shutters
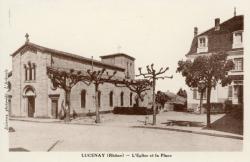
225 36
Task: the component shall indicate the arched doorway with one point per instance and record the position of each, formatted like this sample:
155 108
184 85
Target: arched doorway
29 94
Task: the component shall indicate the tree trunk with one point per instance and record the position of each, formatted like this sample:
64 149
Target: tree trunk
208 107
201 99
154 107
67 105
97 105
139 102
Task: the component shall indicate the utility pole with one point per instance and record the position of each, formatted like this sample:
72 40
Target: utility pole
152 75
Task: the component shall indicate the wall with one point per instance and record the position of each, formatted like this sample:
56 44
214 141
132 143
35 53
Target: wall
42 86
19 102
123 62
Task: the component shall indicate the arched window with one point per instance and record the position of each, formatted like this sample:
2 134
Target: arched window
83 98
99 98
9 86
111 99
25 70
30 71
122 94
131 99
34 71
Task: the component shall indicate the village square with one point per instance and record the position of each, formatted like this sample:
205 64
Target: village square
63 101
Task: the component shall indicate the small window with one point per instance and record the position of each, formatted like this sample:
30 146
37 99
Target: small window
9 86
34 71
26 72
111 99
83 99
131 99
238 39
202 44
122 94
30 71
238 64
230 91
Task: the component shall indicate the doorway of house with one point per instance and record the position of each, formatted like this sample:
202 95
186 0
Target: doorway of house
31 106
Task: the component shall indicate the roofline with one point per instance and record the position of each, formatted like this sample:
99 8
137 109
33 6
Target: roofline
203 33
206 53
66 54
117 54
220 24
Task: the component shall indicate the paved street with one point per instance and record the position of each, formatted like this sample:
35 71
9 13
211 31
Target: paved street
74 137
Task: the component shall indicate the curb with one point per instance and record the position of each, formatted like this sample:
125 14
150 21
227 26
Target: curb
53 122
194 132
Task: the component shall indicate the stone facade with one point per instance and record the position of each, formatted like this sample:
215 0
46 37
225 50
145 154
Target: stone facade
31 93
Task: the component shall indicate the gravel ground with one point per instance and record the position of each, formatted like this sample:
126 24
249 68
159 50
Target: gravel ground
113 134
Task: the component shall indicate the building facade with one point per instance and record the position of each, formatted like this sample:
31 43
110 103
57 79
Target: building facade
227 37
31 94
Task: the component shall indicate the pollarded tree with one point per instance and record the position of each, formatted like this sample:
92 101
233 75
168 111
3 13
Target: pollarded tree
153 75
208 69
65 79
138 86
97 78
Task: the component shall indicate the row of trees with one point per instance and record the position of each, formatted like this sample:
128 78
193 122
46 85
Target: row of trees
204 73
67 79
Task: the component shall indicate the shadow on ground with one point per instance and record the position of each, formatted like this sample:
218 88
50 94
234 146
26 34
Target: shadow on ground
184 123
18 149
232 122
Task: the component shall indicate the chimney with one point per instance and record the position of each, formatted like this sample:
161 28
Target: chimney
217 24
195 31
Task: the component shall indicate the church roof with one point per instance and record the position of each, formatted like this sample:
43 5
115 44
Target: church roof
222 39
116 55
84 73
66 54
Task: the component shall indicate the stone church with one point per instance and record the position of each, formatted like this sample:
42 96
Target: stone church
30 92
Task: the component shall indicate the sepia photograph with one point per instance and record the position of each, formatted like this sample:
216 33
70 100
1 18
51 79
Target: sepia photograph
123 79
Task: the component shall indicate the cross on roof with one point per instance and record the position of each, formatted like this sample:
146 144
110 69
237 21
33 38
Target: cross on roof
27 37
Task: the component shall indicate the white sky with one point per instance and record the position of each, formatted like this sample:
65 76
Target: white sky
152 31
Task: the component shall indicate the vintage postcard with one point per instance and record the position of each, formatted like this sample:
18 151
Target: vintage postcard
124 80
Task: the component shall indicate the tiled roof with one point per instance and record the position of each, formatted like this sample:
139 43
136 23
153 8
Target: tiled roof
222 39
69 55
